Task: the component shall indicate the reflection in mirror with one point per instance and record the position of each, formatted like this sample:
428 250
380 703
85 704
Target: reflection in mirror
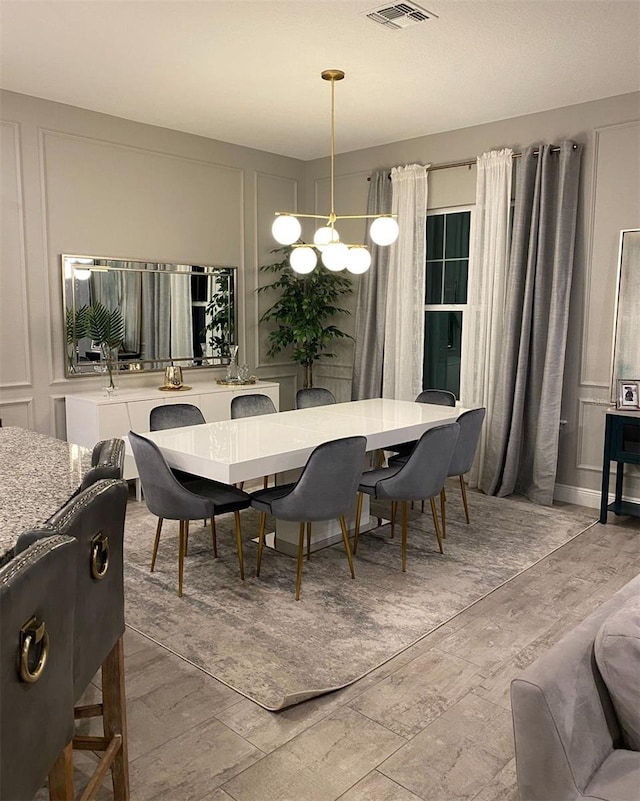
157 313
626 351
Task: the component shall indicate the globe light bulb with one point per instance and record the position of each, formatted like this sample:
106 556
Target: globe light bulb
323 236
335 256
384 230
359 260
286 229
303 260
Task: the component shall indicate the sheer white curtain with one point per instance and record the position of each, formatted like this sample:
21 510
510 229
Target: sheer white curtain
484 321
404 322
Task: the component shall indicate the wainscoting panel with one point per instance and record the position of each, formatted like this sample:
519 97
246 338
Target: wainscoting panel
17 412
272 193
616 205
14 328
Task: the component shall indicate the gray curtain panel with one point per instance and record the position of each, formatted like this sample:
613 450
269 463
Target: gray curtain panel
523 437
371 303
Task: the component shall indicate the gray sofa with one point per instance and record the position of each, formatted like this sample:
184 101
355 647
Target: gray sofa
573 740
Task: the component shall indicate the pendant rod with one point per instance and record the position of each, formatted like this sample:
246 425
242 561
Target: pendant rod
333 128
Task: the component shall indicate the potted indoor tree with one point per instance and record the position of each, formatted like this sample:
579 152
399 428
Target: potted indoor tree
304 311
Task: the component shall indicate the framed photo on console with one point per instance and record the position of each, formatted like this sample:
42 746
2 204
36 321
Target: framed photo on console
628 394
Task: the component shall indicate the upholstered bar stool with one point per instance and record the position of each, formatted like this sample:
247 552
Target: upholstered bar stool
325 490
107 461
421 476
37 602
95 518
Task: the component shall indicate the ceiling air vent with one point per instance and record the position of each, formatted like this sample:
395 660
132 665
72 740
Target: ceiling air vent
400 15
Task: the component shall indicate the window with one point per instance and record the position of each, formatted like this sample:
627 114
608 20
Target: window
447 269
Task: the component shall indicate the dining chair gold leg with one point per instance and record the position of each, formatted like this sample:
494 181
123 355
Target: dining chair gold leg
358 515
263 520
265 482
444 489
463 487
404 536
435 523
214 539
443 514
181 550
345 539
186 540
422 506
156 544
300 551
394 509
308 541
239 544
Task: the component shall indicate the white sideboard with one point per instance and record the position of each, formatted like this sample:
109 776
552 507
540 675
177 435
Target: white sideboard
92 416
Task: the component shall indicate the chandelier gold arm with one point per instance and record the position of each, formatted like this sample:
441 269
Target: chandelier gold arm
328 217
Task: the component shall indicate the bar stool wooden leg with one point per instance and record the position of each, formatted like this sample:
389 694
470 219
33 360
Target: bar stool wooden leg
114 718
61 777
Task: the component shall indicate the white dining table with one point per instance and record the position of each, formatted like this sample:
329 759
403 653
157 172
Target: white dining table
232 451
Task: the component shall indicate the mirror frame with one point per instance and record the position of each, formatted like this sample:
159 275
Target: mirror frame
627 307
70 262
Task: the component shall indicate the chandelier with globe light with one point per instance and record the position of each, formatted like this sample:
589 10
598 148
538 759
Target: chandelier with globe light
335 254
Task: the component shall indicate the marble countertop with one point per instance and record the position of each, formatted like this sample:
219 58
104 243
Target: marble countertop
37 475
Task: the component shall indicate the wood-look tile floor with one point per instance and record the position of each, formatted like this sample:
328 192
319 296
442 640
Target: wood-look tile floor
433 724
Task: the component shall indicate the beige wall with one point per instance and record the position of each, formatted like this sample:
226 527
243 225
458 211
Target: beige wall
609 201
74 181
79 182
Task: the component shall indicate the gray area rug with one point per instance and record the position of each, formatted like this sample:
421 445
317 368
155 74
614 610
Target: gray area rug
254 637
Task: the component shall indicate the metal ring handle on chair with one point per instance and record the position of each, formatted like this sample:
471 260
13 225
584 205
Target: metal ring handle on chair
33 633
99 547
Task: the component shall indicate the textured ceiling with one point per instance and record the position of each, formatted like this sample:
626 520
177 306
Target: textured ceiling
249 72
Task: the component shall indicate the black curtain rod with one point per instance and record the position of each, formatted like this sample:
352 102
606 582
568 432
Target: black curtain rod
472 162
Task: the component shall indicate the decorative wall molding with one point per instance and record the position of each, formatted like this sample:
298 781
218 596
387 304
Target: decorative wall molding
55 363
259 246
16 134
26 403
585 379
586 434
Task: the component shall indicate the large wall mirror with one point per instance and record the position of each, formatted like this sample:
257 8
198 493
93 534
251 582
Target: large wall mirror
626 341
146 314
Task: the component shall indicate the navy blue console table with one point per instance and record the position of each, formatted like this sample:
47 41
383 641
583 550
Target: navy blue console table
621 445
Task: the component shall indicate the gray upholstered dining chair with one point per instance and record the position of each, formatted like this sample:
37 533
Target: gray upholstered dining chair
107 461
326 490
462 459
463 455
421 476
252 405
439 397
168 499
37 604
176 415
95 519
314 396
